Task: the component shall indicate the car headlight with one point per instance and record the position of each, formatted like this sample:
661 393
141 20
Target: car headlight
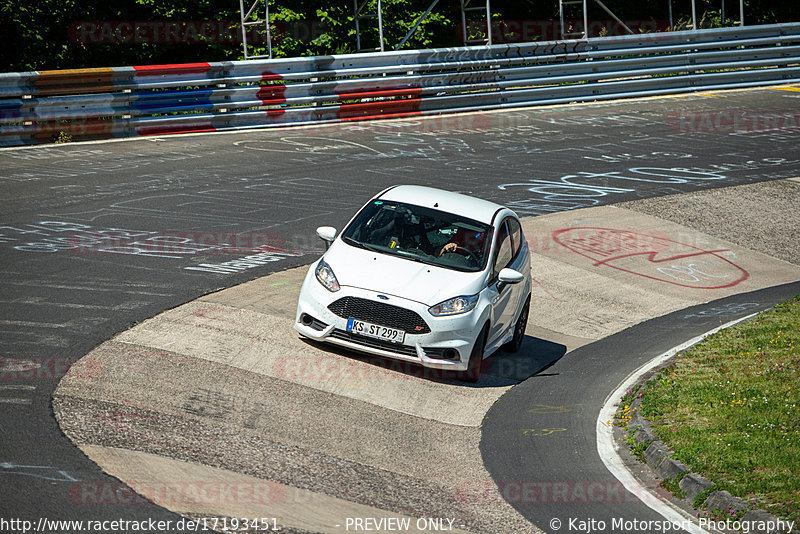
326 277
454 306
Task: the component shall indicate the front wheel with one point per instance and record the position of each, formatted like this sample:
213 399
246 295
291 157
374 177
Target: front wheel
519 329
473 372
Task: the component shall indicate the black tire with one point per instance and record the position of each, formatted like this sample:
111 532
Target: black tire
473 372
519 329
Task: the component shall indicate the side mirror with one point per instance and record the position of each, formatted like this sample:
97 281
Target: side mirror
327 234
508 276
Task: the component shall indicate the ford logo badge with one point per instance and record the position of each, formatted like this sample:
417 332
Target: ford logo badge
383 297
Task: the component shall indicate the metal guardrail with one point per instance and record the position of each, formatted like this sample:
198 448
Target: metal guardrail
164 99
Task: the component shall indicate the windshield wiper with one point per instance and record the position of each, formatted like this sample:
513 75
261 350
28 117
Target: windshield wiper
407 256
413 256
360 244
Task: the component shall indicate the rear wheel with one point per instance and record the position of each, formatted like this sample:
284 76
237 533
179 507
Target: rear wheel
519 329
473 372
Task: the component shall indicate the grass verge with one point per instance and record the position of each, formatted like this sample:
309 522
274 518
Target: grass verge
730 409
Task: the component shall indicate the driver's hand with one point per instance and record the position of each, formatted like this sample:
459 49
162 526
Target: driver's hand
449 247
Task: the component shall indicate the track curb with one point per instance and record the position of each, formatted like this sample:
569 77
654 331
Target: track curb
608 448
658 456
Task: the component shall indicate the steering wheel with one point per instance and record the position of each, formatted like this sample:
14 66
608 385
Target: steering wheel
466 253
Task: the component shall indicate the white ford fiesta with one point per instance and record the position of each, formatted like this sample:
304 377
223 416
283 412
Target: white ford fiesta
422 275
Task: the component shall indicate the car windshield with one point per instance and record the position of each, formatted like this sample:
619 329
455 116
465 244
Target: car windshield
421 234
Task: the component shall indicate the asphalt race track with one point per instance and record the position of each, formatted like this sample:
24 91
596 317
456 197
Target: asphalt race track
556 481
97 237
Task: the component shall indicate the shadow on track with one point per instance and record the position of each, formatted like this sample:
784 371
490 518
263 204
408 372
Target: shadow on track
500 369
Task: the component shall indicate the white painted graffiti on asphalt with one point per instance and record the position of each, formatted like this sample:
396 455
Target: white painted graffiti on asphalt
586 189
724 309
60 236
44 472
242 264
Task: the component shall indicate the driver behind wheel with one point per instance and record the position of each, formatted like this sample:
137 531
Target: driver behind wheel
466 239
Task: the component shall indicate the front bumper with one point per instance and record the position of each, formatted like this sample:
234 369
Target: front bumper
447 346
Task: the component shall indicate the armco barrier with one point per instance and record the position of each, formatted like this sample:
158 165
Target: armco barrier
194 97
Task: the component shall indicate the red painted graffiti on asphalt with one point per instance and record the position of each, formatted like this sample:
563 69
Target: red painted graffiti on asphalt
654 256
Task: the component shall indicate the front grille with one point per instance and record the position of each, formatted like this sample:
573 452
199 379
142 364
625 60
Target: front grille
374 343
380 313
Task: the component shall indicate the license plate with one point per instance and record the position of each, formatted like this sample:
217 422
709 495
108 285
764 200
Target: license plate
375 330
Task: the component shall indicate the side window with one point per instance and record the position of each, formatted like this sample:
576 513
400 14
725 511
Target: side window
505 250
516 234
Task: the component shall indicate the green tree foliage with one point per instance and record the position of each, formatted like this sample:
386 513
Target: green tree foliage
319 28
58 34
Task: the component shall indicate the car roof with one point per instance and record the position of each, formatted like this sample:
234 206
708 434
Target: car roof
447 201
